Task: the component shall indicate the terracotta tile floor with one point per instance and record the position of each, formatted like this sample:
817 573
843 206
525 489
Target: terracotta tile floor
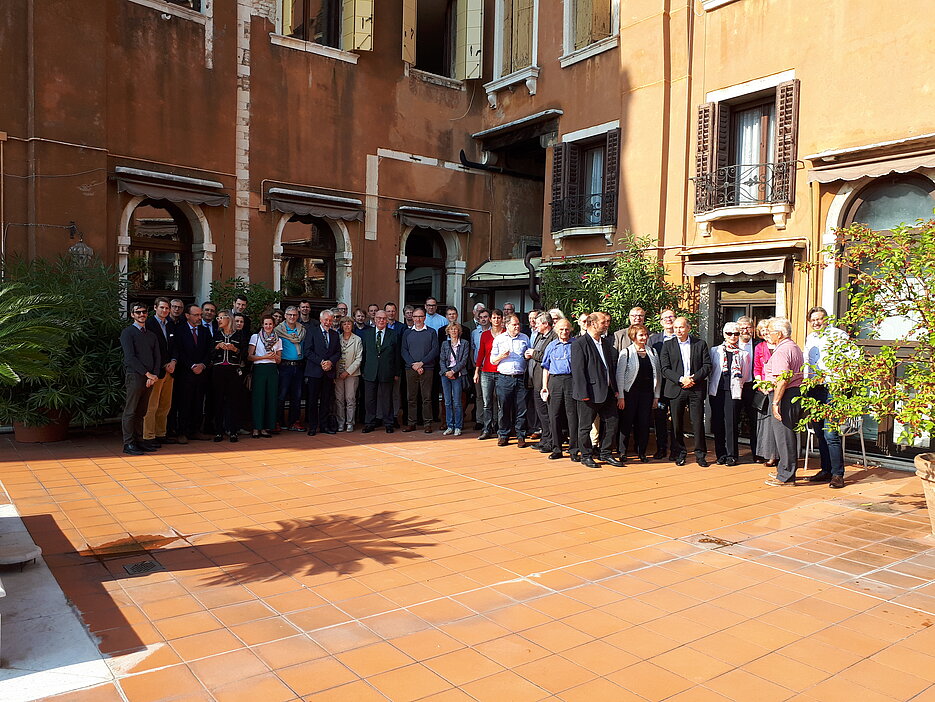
405 567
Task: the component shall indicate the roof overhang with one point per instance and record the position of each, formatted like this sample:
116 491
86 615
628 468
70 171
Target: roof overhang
156 185
447 220
519 130
873 160
304 202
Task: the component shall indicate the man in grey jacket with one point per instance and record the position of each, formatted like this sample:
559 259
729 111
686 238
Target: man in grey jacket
420 356
544 336
141 362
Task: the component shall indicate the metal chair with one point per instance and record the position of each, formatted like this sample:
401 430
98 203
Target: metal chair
851 426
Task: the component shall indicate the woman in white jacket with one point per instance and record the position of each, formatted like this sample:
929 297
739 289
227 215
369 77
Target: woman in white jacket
639 381
731 367
345 384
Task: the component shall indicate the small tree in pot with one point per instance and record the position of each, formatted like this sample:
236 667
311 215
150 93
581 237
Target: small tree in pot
890 274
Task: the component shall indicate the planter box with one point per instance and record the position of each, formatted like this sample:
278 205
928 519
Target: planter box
55 430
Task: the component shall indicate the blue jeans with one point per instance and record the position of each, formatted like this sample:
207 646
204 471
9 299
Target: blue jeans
453 411
488 386
829 442
511 397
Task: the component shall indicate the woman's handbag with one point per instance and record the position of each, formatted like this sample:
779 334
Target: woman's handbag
760 401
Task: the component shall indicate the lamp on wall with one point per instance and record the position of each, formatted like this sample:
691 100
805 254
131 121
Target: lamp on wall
80 252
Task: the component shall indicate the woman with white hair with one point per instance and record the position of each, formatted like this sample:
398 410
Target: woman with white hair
765 445
784 371
731 367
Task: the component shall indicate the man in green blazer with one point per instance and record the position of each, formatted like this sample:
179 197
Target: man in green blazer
381 366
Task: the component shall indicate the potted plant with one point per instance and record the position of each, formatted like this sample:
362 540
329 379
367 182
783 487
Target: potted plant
890 275
84 370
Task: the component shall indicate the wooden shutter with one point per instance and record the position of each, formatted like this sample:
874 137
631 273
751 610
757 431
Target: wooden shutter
787 133
506 34
704 154
410 13
583 18
357 25
600 19
469 39
288 12
558 184
522 34
611 178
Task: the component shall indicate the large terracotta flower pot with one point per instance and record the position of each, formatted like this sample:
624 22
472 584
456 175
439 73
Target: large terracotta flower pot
55 430
925 469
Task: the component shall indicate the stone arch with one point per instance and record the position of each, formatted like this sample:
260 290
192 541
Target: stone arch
203 248
343 257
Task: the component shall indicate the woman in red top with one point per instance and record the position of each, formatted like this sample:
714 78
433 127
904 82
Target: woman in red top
765 444
486 374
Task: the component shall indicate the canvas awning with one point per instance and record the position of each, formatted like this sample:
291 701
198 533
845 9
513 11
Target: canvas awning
303 202
168 186
503 270
447 220
748 266
871 169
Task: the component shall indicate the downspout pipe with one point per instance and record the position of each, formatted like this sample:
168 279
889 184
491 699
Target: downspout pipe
533 290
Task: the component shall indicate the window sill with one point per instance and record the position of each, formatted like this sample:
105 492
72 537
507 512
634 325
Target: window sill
310 47
434 78
528 75
587 52
708 5
167 8
606 232
779 212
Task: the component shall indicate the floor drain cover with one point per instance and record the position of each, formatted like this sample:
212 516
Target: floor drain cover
142 568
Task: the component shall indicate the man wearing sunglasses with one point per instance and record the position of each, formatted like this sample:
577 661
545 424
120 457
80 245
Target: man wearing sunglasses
141 363
731 368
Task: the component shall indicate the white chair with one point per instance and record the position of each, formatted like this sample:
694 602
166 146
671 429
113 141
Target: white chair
851 426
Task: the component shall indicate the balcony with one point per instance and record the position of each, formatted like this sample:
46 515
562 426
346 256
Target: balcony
584 215
744 190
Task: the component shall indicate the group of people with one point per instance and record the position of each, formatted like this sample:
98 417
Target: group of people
194 372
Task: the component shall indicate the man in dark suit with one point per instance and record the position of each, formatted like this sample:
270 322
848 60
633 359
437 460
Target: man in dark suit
662 424
544 337
594 386
322 350
381 367
748 342
160 397
141 363
686 364
192 346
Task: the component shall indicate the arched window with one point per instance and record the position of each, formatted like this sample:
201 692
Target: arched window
308 265
425 266
160 254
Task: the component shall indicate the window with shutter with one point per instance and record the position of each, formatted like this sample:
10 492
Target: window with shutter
506 38
316 21
592 20
585 182
746 150
522 34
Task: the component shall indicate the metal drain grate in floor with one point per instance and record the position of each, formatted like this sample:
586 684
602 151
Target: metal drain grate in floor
142 568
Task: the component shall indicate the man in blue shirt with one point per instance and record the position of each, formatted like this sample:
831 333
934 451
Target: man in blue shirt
291 367
556 390
433 320
508 354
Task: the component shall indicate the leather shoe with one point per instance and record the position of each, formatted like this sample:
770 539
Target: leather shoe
555 455
218 437
409 427
484 435
680 461
367 429
730 461
181 439
329 430
428 429
575 457
773 482
521 442
312 432
837 482
544 449
151 443
659 454
643 458
588 462
610 460
390 430
822 476
201 437
502 441
703 462
167 440
234 438
721 460
133 450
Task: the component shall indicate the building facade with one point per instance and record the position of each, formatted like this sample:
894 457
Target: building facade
367 151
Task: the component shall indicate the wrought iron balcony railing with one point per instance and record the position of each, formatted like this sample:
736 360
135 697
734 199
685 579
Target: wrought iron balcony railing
744 184
596 210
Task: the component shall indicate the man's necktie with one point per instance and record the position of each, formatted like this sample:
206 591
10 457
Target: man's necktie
379 339
195 335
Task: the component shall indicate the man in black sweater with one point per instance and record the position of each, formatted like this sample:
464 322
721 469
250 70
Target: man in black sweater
141 362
